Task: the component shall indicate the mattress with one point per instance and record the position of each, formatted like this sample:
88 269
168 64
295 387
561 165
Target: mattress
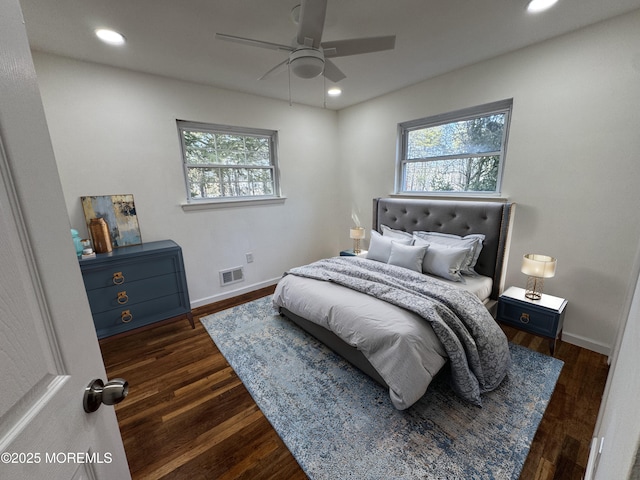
480 286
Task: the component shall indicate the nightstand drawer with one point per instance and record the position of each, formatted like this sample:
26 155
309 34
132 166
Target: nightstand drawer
535 321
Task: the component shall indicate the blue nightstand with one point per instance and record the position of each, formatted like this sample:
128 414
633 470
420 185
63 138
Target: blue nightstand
543 317
350 253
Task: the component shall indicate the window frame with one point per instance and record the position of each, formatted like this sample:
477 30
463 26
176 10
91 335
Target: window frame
271 135
404 128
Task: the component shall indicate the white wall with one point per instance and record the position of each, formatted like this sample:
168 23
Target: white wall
572 162
114 132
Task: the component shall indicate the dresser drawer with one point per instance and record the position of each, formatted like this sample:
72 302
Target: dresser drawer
131 293
534 320
133 316
135 286
121 273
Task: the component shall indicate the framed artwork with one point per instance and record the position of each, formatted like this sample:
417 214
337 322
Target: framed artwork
119 211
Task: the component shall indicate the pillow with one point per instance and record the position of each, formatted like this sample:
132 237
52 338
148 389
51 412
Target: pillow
443 260
391 233
473 242
407 256
380 247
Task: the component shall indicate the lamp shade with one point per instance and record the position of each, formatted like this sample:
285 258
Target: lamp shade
540 266
357 233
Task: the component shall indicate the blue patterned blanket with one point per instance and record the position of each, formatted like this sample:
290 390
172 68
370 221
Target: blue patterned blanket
476 346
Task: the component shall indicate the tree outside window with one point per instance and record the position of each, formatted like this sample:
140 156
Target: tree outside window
227 162
460 152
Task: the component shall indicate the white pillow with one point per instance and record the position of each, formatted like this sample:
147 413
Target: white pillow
390 232
443 260
472 242
380 247
407 256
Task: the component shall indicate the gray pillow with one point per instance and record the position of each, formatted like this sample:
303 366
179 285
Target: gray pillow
390 232
380 247
443 260
407 256
473 242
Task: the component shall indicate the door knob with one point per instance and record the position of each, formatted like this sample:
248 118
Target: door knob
97 393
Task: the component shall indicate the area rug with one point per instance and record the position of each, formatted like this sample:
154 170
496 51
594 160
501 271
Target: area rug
340 424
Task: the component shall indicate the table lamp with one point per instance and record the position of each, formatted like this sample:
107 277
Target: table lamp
357 233
538 267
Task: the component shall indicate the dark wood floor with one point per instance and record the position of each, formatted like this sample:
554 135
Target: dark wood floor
188 416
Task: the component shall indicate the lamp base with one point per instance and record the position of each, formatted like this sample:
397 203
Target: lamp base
533 291
356 246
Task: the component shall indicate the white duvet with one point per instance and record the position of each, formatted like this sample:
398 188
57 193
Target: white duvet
398 335
401 346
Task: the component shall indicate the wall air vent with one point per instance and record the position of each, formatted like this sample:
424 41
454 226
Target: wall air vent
231 275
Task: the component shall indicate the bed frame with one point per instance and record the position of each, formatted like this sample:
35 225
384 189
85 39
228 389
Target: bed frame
493 219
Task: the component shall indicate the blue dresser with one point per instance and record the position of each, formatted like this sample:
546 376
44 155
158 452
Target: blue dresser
136 286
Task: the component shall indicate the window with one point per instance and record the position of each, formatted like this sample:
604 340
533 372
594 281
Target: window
227 163
457 153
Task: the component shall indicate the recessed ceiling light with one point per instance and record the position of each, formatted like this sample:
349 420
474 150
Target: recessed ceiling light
334 92
109 36
536 6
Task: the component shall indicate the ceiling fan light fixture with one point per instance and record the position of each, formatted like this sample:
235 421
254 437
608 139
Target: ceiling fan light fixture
306 62
334 92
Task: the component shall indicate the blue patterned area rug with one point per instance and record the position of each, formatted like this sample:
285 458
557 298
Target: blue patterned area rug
339 424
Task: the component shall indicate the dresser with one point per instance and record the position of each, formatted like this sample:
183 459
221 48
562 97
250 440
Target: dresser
135 286
544 317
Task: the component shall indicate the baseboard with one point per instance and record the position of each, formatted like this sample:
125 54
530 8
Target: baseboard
586 343
233 293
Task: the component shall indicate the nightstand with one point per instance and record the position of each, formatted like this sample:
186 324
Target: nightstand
542 317
350 253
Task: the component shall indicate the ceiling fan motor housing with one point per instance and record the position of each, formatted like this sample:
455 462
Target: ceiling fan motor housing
306 62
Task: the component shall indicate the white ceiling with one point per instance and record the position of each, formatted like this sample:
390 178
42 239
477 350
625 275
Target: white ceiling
175 38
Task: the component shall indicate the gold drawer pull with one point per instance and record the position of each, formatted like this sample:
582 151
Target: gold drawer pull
524 318
126 316
118 278
123 297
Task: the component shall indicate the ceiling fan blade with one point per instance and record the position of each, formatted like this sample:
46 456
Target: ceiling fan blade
332 72
311 23
253 43
355 46
275 70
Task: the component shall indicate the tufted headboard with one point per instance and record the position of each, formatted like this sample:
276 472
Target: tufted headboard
462 217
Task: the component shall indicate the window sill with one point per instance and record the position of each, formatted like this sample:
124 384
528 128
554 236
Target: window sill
489 197
230 203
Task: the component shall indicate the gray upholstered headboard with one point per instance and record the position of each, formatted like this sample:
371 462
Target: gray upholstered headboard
458 217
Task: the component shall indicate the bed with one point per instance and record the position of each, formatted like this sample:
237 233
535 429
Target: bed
400 326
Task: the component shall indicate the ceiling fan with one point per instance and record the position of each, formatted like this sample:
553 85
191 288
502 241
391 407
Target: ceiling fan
309 57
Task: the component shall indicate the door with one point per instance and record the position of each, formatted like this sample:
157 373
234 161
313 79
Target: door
49 352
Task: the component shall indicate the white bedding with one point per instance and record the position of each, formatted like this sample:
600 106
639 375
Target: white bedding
349 313
399 344
480 286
